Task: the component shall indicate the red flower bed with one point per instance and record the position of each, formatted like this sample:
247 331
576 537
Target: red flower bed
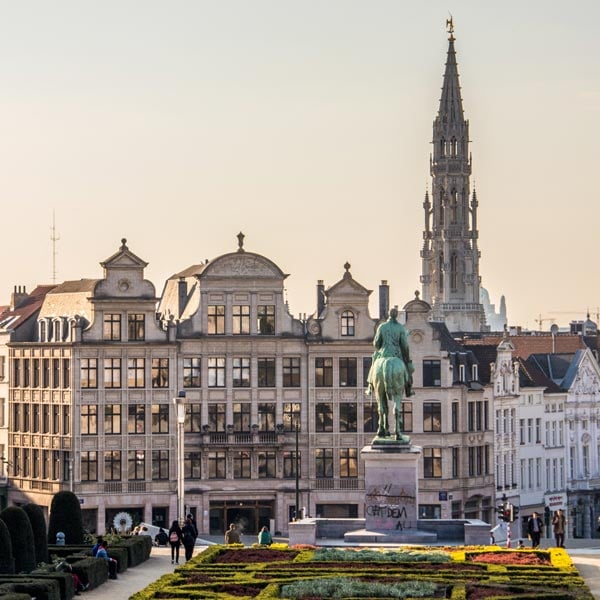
254 555
479 593
509 558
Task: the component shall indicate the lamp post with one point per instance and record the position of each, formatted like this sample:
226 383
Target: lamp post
297 512
179 403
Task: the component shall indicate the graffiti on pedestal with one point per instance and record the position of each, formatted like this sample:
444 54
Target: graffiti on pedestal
387 506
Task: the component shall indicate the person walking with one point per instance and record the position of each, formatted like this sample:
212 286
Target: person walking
189 537
534 529
264 537
175 539
232 535
558 525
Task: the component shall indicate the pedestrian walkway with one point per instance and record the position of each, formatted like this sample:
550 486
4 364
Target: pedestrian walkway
585 554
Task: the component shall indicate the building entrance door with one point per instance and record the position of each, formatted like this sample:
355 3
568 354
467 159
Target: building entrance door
248 515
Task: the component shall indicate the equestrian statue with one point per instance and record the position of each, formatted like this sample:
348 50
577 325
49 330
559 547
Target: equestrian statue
390 376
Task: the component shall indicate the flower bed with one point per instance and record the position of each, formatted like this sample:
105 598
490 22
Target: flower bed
223 573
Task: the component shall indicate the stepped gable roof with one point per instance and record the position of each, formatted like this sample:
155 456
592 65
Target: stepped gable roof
485 355
530 375
526 345
28 307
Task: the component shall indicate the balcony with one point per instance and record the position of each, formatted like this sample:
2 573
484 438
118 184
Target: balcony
254 438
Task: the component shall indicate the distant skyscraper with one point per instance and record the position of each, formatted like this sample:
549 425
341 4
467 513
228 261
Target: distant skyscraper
450 272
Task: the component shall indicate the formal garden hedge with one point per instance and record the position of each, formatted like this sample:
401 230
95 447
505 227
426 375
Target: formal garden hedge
474 573
65 516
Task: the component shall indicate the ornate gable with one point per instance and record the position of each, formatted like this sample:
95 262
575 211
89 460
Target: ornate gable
242 264
587 377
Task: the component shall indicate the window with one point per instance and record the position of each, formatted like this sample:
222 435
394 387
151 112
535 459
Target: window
26 372
46 455
324 462
241 417
407 416
455 423
348 417
35 425
266 416
370 417
160 465
216 372
55 418
477 416
17 373
432 462
112 372
432 416
45 372
348 462
89 419
216 464
191 372
266 465
192 465
291 416
431 373
216 319
136 327
367 360
89 466
193 413
324 417
266 372
112 465
266 319
66 373
136 419
240 319
45 419
241 464
160 418
135 372
55 373
160 372
112 419
241 372
89 372
291 371
36 372
289 464
26 417
347 323
112 327
324 372
348 372
216 417
136 465
455 463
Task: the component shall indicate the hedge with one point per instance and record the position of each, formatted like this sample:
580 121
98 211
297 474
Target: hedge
40 533
7 561
40 589
21 536
65 516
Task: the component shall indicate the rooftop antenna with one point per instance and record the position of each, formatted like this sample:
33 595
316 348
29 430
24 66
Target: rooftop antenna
54 237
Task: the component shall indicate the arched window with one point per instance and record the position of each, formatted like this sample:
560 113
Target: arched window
443 147
347 323
441 274
454 272
453 146
453 206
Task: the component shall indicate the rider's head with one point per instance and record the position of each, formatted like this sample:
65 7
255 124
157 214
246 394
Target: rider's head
394 313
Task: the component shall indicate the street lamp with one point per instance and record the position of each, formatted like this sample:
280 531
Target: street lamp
179 403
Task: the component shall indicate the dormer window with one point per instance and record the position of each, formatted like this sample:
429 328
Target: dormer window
42 331
347 323
461 373
475 372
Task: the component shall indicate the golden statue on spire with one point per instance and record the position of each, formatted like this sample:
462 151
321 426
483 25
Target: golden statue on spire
450 27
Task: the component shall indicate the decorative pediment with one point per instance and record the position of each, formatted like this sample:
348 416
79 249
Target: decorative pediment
124 259
347 286
587 380
242 264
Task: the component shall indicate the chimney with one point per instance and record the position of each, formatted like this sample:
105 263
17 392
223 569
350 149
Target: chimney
181 295
384 300
18 296
320 297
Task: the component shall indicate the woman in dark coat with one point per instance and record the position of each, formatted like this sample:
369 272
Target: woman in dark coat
175 539
189 538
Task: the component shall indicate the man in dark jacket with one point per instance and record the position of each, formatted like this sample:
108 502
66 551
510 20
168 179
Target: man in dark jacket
534 529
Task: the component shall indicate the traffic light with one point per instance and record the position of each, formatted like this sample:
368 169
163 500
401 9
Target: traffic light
507 513
515 510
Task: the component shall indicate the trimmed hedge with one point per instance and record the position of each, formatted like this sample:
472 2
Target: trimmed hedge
7 561
14 595
65 516
64 580
40 589
91 570
21 535
40 534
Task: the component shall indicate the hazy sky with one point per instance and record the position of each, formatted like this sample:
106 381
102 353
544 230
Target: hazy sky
306 125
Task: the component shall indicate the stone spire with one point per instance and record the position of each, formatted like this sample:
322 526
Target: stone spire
450 271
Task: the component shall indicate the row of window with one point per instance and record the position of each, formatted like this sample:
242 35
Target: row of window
41 418
136 373
42 372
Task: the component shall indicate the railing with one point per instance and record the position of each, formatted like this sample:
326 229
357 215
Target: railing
136 486
345 483
264 438
113 487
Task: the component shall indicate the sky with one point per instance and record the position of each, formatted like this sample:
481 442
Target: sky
307 126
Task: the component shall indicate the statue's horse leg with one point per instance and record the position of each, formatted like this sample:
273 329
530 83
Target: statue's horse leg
398 416
383 428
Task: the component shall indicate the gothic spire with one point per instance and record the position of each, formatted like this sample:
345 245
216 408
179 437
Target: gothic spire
451 108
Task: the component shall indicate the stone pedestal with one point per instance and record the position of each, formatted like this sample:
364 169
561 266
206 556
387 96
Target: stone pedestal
391 495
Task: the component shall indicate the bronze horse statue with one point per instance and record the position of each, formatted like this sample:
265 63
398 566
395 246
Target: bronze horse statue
390 376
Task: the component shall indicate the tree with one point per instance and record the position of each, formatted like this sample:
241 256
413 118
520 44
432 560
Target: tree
65 516
7 562
40 534
21 536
